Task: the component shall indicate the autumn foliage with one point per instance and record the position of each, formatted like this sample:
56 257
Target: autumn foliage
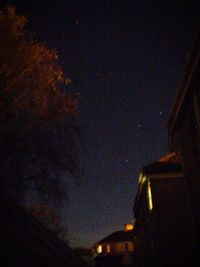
38 135
31 73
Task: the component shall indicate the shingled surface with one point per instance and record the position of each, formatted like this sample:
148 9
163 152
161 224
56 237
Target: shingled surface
118 236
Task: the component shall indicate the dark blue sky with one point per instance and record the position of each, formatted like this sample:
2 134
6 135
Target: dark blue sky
126 59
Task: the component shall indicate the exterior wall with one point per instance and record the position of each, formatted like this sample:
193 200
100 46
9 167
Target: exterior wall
184 133
169 225
163 234
119 254
116 248
186 138
124 246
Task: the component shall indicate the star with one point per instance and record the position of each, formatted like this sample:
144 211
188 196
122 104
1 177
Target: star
139 125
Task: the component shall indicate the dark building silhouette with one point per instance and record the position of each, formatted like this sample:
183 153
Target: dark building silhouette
26 242
184 133
162 223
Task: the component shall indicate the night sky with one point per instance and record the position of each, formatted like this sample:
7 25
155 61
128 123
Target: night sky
126 58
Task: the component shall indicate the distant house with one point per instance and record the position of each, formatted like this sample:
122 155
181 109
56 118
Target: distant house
161 211
26 242
116 248
184 131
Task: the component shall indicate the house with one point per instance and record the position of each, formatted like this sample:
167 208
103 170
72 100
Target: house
184 132
116 249
26 242
161 211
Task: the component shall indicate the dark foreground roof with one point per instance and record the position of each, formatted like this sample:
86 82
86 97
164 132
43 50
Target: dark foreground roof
26 242
118 236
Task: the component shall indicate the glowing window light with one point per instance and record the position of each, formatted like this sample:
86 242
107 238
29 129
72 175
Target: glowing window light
99 249
149 195
108 248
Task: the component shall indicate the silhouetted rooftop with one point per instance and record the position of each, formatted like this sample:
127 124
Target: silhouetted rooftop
160 167
21 232
118 236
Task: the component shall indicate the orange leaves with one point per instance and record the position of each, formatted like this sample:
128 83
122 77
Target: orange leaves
30 73
71 105
11 23
44 213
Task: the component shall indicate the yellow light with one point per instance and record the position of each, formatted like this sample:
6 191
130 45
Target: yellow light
108 248
99 249
149 196
128 227
142 179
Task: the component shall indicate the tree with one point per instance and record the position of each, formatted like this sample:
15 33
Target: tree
39 144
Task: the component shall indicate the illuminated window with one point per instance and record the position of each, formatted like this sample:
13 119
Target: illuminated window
99 249
149 196
108 248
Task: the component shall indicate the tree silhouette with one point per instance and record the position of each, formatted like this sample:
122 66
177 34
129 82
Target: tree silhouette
39 143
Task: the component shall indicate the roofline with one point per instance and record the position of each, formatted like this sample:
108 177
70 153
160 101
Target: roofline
109 242
37 232
184 84
168 157
167 175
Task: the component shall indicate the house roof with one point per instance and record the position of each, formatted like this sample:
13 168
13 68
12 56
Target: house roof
162 167
118 236
19 225
167 164
173 157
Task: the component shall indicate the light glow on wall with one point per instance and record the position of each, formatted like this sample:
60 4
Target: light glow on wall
149 196
108 248
142 179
